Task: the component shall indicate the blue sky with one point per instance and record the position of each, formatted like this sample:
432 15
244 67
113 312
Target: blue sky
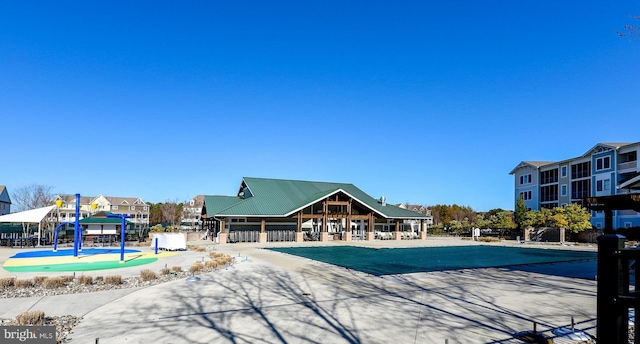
420 101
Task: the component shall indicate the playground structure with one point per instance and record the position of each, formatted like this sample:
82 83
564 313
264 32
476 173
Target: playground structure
77 231
76 259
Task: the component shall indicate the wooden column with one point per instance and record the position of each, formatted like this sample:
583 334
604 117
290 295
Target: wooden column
223 234
324 235
262 237
347 232
396 231
299 234
371 229
423 230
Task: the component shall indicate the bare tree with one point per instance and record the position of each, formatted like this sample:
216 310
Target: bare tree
171 212
31 197
632 31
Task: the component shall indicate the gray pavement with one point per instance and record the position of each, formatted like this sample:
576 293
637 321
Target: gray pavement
270 297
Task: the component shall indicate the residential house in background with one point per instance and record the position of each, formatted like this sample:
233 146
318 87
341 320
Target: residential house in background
191 211
418 208
5 201
136 208
603 170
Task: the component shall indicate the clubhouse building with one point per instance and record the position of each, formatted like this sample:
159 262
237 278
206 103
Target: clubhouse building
271 210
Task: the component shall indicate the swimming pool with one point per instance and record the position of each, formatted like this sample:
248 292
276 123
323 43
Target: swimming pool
389 261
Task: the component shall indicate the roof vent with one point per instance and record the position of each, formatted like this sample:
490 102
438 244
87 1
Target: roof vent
383 200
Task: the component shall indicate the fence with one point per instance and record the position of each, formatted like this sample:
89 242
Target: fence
614 299
281 235
254 235
243 236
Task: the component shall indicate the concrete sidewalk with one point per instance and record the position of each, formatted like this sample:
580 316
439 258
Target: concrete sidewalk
270 297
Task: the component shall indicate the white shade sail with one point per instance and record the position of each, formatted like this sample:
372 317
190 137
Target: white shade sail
28 216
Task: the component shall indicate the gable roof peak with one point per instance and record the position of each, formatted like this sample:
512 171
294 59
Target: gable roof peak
530 163
606 146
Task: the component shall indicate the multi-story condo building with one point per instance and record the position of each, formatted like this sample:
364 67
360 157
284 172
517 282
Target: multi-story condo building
136 208
603 170
5 201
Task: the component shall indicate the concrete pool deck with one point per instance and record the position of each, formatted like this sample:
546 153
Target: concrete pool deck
271 297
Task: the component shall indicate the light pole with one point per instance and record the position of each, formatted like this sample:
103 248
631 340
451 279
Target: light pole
139 224
76 230
122 232
59 204
92 210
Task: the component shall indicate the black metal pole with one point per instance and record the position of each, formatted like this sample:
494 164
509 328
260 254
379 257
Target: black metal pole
613 317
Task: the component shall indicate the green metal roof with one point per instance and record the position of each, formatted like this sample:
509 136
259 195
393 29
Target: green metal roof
279 197
101 220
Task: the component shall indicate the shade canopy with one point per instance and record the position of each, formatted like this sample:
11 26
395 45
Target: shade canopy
28 216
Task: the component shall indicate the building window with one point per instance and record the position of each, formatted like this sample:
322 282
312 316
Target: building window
549 193
603 163
581 170
606 184
563 171
133 207
627 225
563 190
580 188
548 177
599 185
599 225
144 208
115 207
525 179
524 195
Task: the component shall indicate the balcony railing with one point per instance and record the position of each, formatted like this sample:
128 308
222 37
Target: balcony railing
627 165
549 180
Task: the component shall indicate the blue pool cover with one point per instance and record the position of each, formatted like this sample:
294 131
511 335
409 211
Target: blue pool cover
390 261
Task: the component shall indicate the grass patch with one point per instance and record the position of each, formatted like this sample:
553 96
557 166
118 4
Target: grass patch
30 318
54 282
147 275
211 264
7 282
39 279
24 283
113 279
195 268
85 280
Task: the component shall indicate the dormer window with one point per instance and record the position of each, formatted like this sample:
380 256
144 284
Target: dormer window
603 163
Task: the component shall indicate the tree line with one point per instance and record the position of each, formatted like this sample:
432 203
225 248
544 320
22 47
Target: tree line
168 213
456 219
